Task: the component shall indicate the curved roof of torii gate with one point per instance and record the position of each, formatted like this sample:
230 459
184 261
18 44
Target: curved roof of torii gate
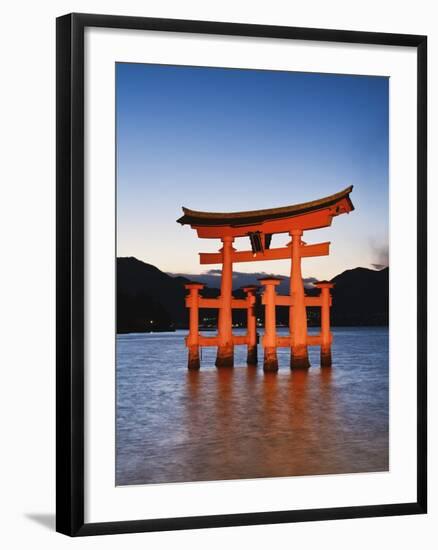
341 201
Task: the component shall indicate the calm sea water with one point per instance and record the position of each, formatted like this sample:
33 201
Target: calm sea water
174 425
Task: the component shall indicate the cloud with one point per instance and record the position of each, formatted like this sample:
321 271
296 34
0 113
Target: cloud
381 255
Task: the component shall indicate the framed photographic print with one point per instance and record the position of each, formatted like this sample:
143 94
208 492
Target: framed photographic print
241 267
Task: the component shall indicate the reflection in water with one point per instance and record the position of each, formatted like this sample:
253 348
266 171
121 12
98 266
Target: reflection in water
179 425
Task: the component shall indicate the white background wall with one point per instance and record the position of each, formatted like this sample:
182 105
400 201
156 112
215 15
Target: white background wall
27 289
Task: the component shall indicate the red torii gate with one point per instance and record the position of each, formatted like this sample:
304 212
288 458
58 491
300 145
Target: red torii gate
259 226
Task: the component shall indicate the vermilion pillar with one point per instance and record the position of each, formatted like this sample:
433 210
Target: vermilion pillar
270 362
251 331
326 336
225 350
297 312
192 340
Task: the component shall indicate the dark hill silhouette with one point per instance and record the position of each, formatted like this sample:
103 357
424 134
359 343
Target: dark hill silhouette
150 300
145 294
360 297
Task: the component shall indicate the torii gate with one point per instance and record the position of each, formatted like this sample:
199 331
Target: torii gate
259 226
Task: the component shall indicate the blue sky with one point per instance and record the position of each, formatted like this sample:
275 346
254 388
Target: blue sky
231 139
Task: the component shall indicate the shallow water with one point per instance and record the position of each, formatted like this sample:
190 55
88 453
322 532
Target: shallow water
215 424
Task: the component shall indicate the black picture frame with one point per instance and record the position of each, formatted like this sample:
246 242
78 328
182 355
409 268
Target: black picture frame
70 273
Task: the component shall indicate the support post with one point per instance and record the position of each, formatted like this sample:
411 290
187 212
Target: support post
297 312
326 336
270 362
251 324
225 351
192 340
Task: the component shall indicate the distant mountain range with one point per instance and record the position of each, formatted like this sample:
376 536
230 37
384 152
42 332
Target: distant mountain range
150 300
212 278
